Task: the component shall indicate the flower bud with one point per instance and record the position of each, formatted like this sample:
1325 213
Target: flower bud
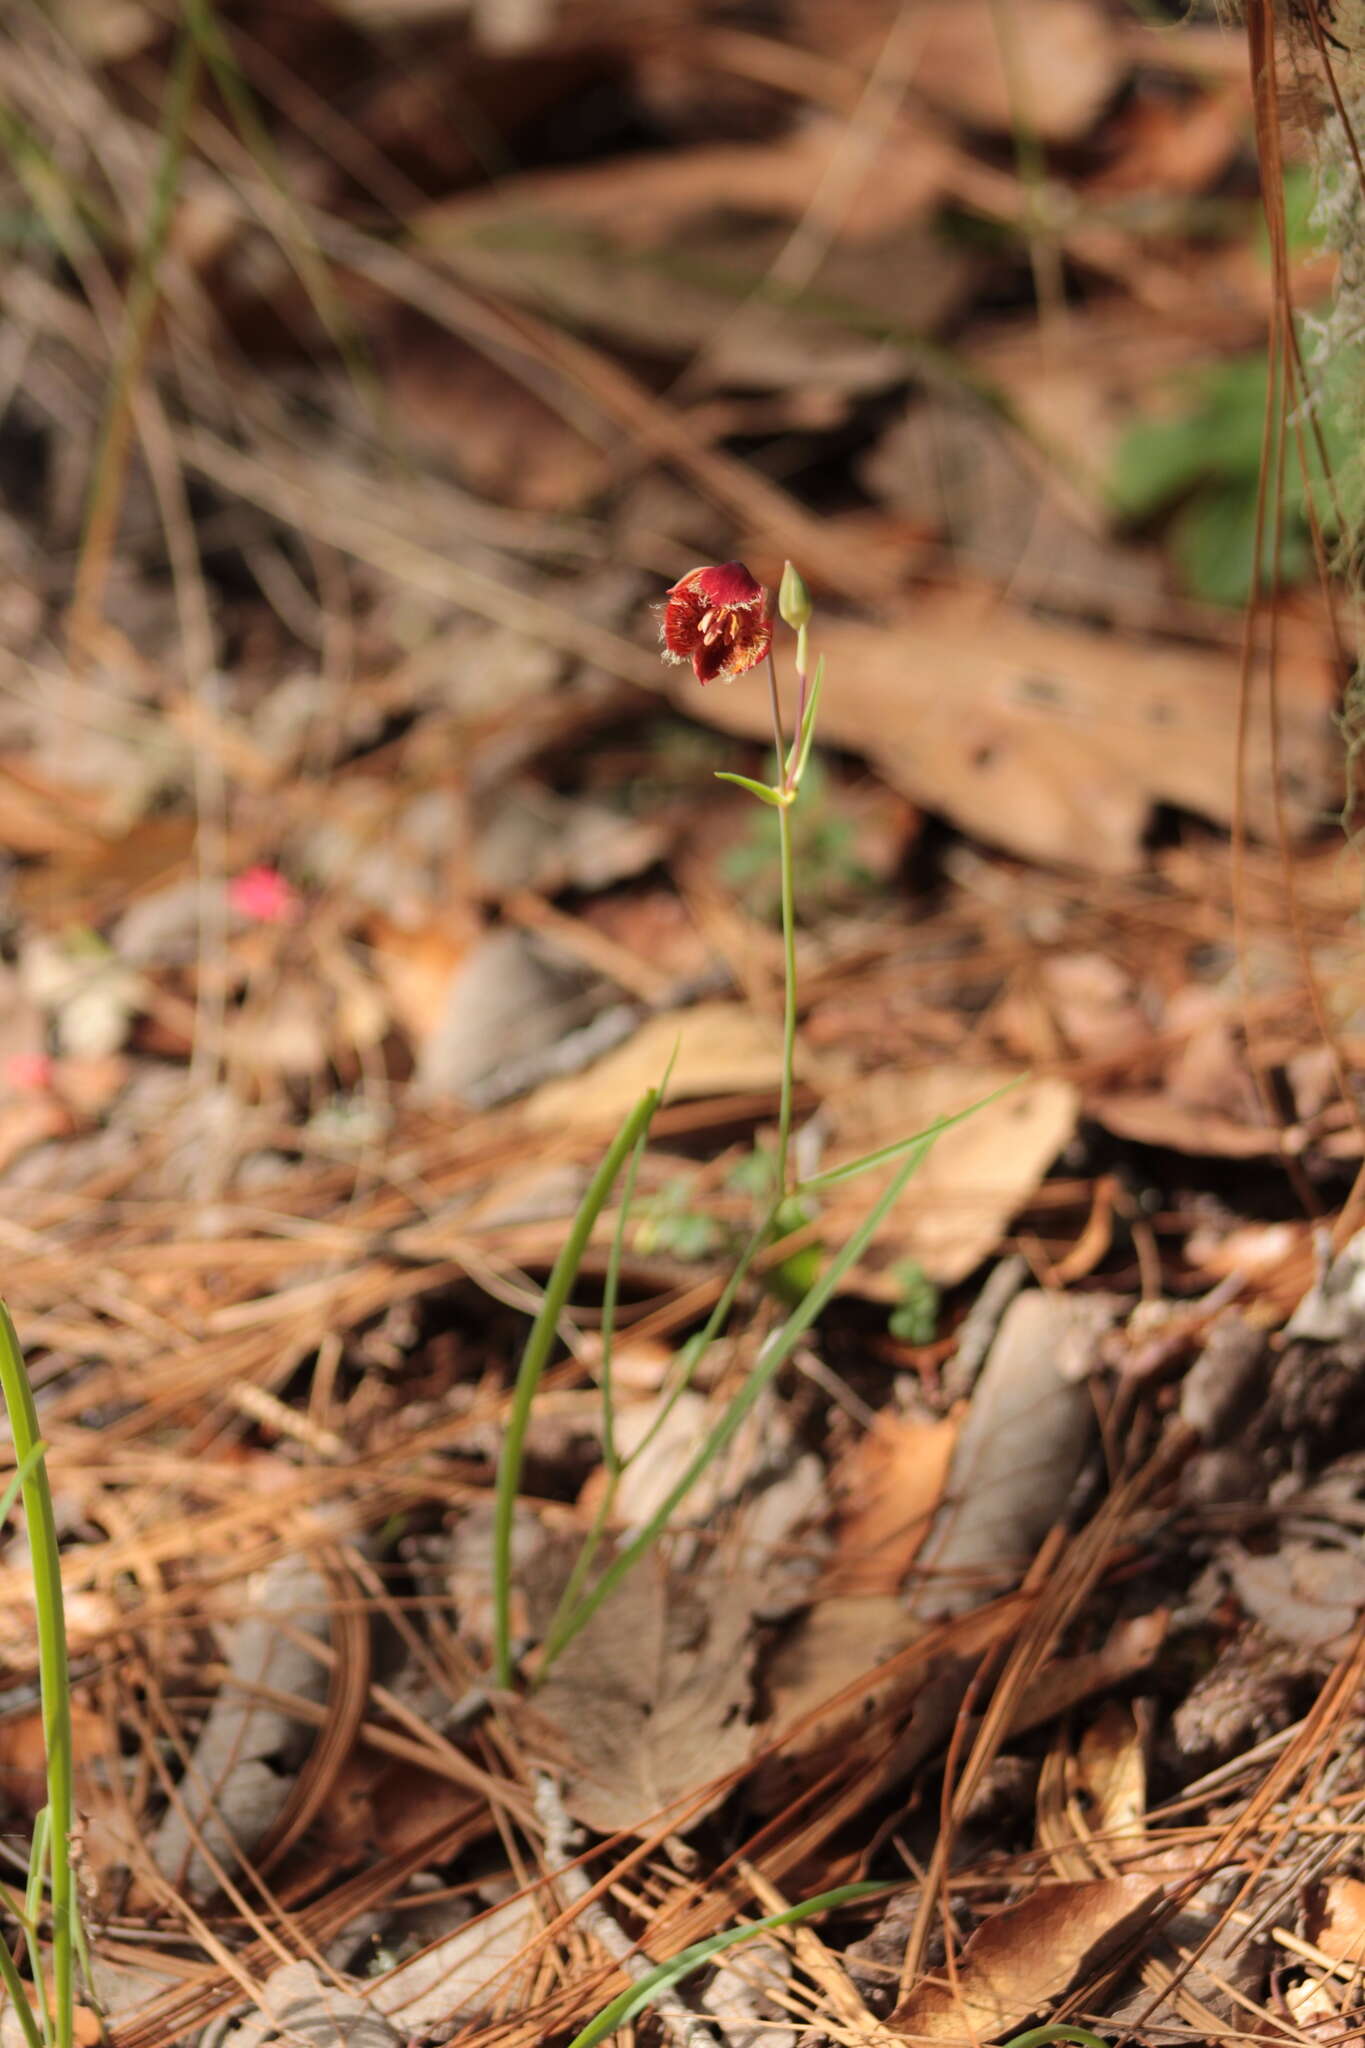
793 598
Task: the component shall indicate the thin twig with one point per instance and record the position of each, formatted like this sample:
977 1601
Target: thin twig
678 2021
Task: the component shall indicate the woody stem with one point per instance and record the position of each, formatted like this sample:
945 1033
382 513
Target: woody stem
787 858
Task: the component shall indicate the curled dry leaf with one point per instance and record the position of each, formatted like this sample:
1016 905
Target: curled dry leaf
839 1642
1336 1919
1112 1772
889 1485
1019 1451
1305 1594
1022 1958
716 1049
1132 1646
240 1772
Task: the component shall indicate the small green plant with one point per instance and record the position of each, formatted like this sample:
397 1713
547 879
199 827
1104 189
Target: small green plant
1201 466
825 848
717 619
668 1222
914 1319
50 1871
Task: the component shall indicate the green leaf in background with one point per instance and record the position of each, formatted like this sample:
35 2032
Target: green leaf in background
914 1319
1202 463
1214 537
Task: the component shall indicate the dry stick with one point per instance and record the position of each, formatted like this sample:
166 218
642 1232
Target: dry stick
140 311
679 2022
1261 46
1294 391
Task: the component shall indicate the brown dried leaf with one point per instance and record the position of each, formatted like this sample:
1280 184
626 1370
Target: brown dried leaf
956 1206
527 244
1050 66
1052 740
1158 1119
1025 1956
1112 1771
890 1483
837 1643
1336 1919
649 1704
501 439
1305 1594
645 199
1132 1646
1019 1450
721 1049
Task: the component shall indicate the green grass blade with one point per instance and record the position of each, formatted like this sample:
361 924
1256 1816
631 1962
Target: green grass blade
764 791
664 1976
54 1678
805 739
1036 2037
771 1359
28 1919
14 1983
11 1492
534 1359
611 1462
885 1154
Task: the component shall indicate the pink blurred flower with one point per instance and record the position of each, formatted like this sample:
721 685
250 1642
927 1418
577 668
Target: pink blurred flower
263 895
28 1073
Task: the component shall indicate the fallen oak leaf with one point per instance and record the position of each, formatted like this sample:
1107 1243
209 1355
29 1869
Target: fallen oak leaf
1336 1919
890 1483
1023 1957
648 1706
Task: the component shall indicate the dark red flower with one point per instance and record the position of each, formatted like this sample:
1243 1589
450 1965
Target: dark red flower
717 619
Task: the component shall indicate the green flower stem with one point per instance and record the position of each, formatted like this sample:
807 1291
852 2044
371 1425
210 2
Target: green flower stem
534 1359
54 1677
786 854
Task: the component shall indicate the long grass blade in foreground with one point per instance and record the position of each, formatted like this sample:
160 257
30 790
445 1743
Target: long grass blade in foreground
54 1678
664 1976
775 1353
534 1359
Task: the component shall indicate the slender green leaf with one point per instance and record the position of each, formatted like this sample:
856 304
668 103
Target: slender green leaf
886 1153
764 791
14 1984
534 1359
54 1677
33 1906
1036 2037
623 2009
771 1359
805 739
11 1492
561 1620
